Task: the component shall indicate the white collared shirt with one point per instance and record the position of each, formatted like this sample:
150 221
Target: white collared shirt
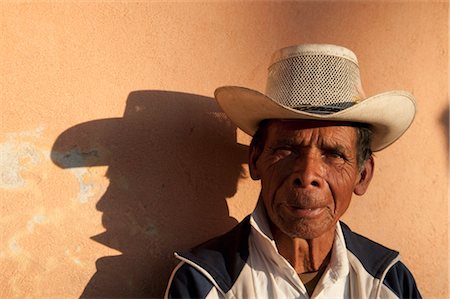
359 268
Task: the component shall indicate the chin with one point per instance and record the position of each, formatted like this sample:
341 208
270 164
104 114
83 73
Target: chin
305 230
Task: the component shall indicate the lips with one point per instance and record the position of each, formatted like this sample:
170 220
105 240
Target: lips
302 212
303 204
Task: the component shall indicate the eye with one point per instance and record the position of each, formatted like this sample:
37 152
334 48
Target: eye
335 154
282 150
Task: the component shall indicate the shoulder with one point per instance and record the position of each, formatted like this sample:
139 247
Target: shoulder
217 262
400 281
381 263
187 282
375 257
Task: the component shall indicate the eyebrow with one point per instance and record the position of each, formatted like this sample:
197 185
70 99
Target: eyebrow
286 141
323 144
335 145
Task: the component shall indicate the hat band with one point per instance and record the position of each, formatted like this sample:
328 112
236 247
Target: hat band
324 109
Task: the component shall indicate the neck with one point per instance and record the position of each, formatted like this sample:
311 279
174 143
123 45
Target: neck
305 255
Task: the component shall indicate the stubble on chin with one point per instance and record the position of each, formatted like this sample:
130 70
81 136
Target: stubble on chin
299 227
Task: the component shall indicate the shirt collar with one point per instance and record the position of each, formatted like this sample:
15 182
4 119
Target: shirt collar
259 222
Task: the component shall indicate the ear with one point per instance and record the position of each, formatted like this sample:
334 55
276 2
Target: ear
364 177
254 153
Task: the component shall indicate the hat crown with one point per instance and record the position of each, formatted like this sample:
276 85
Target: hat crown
316 78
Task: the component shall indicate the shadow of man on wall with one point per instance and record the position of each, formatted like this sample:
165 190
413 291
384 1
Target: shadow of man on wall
172 161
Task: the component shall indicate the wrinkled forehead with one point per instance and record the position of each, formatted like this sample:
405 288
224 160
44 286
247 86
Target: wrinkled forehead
313 130
299 124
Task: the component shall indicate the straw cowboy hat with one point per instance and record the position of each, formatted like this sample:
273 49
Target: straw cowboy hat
319 82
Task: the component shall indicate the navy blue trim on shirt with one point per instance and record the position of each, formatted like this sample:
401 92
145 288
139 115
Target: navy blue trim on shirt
374 257
400 281
223 257
189 283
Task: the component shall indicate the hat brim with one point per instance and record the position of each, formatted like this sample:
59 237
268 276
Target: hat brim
389 114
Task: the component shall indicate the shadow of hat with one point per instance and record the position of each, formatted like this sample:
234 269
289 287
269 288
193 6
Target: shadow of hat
159 121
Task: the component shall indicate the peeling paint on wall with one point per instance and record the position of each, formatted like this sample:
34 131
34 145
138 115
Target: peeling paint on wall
73 257
86 189
14 246
18 156
37 219
36 133
76 158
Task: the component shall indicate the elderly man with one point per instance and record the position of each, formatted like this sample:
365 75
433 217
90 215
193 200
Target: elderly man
313 136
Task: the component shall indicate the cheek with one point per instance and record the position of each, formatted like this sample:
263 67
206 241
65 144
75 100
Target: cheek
341 183
269 183
272 179
341 177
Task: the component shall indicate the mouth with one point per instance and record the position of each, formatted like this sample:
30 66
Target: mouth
302 212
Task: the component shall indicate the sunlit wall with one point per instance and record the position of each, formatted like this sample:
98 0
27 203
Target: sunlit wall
113 153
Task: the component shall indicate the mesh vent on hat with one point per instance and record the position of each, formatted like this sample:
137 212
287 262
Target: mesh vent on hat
315 83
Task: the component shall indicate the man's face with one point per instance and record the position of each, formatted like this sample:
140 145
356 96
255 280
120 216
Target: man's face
308 172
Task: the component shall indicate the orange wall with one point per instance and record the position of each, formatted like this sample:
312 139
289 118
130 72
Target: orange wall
113 153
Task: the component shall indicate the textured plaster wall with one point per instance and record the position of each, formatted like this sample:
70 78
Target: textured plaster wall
113 153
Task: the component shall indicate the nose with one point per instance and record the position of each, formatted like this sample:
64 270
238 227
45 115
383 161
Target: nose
308 172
